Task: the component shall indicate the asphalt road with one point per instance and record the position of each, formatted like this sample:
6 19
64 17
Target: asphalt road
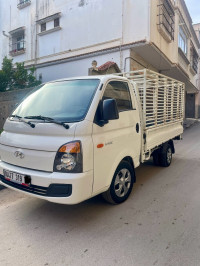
158 225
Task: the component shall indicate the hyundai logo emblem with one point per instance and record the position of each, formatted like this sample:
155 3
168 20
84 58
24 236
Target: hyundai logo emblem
19 154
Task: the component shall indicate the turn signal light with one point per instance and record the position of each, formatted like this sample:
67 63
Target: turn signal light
73 147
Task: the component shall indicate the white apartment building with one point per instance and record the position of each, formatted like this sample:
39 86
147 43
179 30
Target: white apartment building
62 38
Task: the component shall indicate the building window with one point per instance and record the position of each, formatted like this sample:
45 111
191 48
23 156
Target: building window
49 24
23 3
17 42
56 22
166 18
182 40
43 27
194 58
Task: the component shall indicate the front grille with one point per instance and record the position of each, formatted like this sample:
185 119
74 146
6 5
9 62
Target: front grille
42 191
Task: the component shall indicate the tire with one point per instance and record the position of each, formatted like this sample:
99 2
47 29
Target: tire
165 156
156 159
122 184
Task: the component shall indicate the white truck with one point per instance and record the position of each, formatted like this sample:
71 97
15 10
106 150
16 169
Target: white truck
72 139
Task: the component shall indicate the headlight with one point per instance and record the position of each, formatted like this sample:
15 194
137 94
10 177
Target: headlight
69 158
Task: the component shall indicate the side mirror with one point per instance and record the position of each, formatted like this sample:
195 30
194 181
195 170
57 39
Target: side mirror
110 110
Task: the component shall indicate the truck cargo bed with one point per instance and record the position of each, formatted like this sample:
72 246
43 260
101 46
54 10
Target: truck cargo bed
161 101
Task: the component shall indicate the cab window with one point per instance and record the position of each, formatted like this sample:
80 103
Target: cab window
120 92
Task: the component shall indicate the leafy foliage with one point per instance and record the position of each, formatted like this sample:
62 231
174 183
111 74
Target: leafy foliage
3 81
6 74
16 78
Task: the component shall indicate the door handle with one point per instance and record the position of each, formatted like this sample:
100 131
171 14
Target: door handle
137 128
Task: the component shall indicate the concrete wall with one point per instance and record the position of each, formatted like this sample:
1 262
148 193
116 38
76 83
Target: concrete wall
8 101
137 62
80 67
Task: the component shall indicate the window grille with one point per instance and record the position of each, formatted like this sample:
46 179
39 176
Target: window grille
194 59
166 18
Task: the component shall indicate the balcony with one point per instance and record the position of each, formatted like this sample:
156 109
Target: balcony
17 48
23 3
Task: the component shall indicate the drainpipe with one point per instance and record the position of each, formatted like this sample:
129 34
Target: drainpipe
36 33
122 25
5 34
149 20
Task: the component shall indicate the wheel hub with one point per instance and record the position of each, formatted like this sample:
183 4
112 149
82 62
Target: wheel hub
122 182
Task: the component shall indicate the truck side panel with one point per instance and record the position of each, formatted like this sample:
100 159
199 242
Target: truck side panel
157 136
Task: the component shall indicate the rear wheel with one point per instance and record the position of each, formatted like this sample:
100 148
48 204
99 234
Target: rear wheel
156 157
165 157
122 184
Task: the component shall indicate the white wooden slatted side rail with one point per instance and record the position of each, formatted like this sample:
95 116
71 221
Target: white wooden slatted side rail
161 97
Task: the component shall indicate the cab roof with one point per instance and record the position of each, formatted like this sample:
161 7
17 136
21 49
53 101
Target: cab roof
102 78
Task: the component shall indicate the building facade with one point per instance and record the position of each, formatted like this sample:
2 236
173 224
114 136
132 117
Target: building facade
197 30
62 38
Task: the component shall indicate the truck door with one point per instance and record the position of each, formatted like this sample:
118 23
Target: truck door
117 139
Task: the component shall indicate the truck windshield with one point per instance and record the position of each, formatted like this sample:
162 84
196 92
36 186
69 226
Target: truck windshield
65 101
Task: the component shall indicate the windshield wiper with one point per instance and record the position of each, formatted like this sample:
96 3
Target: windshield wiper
49 119
22 120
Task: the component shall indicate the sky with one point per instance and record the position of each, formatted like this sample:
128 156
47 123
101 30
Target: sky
194 9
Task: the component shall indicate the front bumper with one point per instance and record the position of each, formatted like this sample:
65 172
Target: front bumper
77 187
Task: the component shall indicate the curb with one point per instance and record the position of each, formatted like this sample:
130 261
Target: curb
189 123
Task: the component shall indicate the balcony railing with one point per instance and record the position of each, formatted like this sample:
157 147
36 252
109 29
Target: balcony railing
23 3
17 48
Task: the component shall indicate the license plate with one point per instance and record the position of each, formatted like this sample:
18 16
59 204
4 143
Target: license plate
15 177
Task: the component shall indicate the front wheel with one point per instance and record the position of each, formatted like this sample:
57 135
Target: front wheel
122 184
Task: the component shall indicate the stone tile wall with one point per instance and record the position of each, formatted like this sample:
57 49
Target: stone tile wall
8 101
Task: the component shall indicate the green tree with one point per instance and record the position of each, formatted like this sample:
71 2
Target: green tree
3 81
16 78
32 81
6 74
20 76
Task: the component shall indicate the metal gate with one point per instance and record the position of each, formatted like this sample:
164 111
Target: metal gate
190 106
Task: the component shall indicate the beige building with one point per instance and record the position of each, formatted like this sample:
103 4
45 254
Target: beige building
173 48
197 30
